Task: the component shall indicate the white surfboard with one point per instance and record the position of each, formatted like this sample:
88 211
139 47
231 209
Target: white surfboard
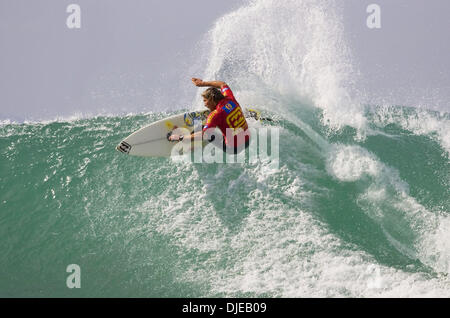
152 140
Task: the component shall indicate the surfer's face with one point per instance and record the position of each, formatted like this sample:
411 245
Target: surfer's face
209 103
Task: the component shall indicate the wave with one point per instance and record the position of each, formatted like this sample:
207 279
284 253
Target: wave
323 224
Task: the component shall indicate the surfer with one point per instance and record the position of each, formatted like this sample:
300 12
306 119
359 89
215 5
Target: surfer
226 114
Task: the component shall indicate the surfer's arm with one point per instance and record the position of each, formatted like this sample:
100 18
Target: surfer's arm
200 83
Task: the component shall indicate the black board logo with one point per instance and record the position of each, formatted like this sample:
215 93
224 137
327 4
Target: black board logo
124 147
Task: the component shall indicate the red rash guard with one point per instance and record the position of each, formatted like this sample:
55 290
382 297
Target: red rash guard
228 114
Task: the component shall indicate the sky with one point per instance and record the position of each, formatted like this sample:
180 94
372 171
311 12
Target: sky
138 55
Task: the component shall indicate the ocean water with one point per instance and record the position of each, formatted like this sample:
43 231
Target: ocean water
358 207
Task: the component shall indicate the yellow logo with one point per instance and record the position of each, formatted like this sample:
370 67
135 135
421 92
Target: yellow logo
236 119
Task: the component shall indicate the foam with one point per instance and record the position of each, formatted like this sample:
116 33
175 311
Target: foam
350 163
419 121
5 122
280 249
77 116
295 257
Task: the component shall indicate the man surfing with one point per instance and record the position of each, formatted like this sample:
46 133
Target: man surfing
226 114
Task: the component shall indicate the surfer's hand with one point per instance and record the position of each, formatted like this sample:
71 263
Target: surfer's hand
175 138
197 82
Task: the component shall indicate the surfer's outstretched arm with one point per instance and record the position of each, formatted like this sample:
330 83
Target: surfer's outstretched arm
200 83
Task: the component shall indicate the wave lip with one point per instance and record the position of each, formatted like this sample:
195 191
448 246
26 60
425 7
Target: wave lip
289 48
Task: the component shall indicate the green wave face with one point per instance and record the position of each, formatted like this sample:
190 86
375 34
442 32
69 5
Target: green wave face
341 215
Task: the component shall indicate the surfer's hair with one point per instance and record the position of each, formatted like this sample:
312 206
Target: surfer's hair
213 93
